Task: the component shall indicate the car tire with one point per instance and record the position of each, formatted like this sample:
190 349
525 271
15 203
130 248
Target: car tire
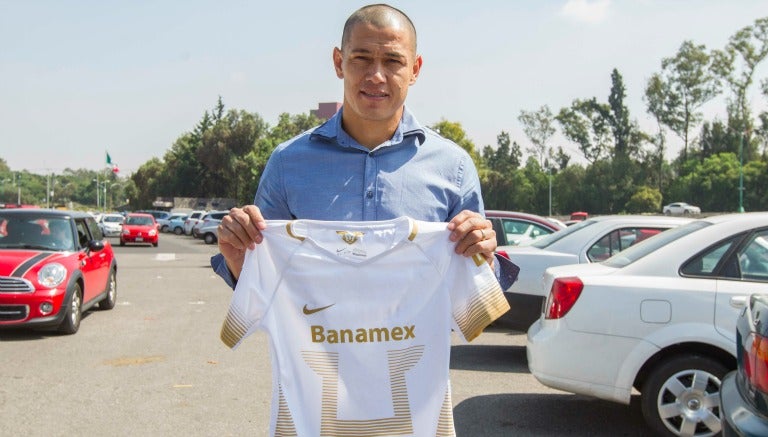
667 212
164 228
73 312
111 298
122 242
178 231
209 238
681 396
155 243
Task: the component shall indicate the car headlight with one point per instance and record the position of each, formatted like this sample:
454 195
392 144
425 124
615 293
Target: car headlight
51 275
126 232
153 232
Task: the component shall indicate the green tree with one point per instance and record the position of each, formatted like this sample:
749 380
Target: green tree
455 132
736 65
644 199
539 128
676 94
585 124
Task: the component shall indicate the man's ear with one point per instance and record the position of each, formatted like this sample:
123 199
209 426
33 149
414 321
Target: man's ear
338 57
416 69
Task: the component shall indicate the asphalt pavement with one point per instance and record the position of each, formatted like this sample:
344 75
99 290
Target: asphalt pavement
154 366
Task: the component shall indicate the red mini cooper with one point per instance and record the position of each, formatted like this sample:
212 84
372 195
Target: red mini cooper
139 228
54 265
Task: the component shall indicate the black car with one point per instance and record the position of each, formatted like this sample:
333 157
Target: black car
744 391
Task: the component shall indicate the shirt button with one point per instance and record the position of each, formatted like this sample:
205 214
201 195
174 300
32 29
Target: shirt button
369 194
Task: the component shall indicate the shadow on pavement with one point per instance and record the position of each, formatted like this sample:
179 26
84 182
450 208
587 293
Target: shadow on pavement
547 415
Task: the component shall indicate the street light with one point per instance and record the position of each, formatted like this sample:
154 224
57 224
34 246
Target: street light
741 172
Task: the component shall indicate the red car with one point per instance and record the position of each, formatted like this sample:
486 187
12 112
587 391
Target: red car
139 228
54 265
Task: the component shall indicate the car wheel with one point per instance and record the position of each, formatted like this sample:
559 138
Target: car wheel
681 397
122 242
164 228
155 243
210 238
72 316
111 298
667 212
178 231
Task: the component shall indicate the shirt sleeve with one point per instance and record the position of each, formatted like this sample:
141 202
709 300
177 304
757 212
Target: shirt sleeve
219 265
476 296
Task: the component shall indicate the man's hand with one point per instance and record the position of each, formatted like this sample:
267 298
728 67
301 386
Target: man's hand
238 231
473 234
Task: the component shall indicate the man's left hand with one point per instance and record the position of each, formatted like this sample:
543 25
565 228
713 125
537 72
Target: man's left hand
473 234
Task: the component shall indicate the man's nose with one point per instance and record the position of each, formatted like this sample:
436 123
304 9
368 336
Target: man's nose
376 73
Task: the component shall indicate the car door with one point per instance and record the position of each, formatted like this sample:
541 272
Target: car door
93 265
744 272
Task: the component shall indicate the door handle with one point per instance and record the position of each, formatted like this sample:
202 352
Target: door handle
738 301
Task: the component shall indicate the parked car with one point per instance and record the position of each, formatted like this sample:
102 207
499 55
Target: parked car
172 223
515 228
207 219
140 228
591 240
210 232
111 225
576 216
659 318
680 208
744 391
157 214
54 266
191 220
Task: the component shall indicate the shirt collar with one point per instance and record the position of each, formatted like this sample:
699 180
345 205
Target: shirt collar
331 130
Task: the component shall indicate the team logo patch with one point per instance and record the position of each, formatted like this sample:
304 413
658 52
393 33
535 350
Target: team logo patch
350 237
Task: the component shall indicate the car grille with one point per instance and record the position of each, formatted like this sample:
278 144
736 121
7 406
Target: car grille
13 312
10 284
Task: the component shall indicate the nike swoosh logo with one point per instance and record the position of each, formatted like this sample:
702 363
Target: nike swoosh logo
308 311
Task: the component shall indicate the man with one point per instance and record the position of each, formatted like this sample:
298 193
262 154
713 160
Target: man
372 160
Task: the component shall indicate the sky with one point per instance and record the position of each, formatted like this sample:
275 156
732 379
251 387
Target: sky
79 79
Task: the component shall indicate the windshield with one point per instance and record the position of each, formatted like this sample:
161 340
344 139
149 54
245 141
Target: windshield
639 250
548 240
36 233
140 221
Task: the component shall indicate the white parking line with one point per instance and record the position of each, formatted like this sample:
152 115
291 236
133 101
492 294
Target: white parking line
165 257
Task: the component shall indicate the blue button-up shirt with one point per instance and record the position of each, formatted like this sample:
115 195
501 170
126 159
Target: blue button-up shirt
324 174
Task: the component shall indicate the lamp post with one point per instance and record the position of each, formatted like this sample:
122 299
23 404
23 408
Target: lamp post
741 172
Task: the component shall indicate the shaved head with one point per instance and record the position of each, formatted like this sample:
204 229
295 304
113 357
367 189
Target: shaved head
379 16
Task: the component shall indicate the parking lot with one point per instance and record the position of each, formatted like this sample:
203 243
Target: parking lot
154 365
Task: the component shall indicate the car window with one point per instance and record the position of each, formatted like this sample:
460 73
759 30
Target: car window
619 240
95 230
638 251
135 220
82 232
705 263
753 258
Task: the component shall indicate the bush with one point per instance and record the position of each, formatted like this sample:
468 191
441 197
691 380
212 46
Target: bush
645 199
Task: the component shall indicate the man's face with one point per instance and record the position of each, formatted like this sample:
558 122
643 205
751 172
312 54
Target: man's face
377 65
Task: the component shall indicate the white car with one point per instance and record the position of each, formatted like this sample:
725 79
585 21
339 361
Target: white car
210 231
192 220
659 318
212 217
681 208
164 224
590 240
111 224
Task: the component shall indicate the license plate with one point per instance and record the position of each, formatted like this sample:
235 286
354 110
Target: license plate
139 239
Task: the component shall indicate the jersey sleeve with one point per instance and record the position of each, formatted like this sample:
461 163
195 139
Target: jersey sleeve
476 297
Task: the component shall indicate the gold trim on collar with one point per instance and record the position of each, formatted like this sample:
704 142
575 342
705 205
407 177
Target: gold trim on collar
289 230
414 230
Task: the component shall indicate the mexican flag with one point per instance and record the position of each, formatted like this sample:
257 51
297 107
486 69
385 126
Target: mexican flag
115 170
109 159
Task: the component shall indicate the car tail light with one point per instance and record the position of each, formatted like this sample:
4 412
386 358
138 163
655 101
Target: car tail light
503 253
562 296
756 363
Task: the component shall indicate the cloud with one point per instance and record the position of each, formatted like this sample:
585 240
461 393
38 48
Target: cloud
586 11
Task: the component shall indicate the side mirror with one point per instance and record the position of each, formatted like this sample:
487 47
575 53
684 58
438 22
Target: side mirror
95 245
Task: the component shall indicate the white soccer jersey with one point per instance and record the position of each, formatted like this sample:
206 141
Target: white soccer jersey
359 317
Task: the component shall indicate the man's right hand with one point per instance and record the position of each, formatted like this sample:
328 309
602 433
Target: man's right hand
238 231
